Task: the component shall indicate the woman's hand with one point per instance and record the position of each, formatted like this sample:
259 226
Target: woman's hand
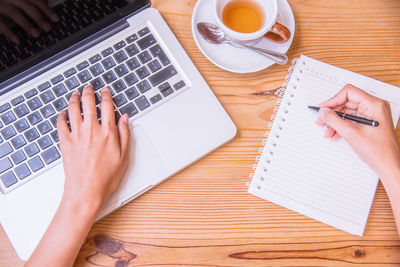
377 146
94 155
17 10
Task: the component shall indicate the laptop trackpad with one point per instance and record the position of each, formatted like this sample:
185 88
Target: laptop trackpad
145 164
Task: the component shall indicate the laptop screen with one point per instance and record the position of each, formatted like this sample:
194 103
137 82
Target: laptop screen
37 31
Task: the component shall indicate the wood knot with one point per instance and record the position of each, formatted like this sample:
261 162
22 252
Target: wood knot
107 244
359 253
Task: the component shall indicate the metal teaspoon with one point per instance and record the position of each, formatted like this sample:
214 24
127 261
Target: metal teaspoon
213 34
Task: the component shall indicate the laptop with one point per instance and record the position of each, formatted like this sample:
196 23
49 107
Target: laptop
128 47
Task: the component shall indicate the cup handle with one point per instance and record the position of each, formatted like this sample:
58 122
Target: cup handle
278 33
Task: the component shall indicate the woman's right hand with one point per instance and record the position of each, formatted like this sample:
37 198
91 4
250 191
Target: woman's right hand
377 146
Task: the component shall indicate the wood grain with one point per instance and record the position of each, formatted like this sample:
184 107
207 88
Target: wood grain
204 216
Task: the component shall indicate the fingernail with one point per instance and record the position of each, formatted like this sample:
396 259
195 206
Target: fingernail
126 118
105 89
15 39
323 111
46 26
88 86
76 93
35 33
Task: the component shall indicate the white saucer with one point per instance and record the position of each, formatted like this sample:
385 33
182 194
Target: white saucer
236 59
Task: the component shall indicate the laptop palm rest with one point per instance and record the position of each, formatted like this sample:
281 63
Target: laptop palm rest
145 164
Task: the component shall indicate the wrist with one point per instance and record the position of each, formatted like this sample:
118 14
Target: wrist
80 207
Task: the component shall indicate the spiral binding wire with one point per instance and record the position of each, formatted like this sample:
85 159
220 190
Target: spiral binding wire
280 93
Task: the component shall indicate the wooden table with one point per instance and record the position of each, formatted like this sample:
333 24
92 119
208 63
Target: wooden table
204 216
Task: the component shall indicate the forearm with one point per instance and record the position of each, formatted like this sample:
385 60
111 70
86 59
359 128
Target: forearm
65 234
391 182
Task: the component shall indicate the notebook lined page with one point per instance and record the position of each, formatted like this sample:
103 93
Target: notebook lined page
303 171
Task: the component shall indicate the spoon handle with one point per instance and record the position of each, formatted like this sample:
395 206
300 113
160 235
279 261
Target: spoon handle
277 57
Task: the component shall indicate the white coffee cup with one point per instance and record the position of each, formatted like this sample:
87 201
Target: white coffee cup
271 29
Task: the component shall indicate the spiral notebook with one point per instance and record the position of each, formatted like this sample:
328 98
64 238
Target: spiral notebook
301 170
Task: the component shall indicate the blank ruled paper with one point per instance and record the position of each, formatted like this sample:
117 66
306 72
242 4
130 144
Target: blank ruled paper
300 169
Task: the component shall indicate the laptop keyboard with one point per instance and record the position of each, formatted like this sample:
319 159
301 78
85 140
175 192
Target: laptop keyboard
138 73
70 23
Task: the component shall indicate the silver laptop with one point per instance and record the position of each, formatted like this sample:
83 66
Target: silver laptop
128 47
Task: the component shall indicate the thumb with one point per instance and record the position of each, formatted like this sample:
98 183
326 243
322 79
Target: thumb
124 135
343 127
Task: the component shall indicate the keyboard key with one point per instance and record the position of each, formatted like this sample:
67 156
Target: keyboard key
179 85
69 72
119 45
131 93
143 86
120 100
109 77
8 117
5 164
44 127
72 83
144 57
154 65
17 100
142 72
132 50
35 163
47 96
155 98
82 65
30 93
129 109
107 52
120 56
130 79
118 86
9 179
167 92
131 38
133 63
146 42
4 107
8 132
34 103
143 31
97 83
47 111
50 155
22 171
96 69
59 90
156 51
97 98
21 125
44 142
84 76
18 157
142 103
34 118
94 59
60 104
5 149
53 120
162 75
121 70
44 86
21 110
56 80
18 141
31 149
164 86
54 136
108 63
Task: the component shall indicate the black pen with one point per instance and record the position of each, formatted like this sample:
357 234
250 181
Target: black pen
352 117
